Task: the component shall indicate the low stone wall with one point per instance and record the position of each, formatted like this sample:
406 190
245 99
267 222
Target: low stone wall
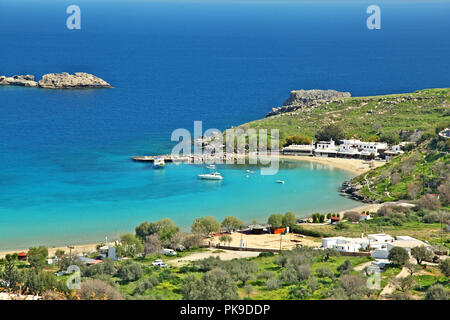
355 254
247 249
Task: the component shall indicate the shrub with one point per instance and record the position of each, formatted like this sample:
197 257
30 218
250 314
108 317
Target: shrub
444 265
272 283
130 272
303 272
214 285
352 216
346 267
300 293
93 289
266 254
429 202
323 272
437 292
145 284
352 285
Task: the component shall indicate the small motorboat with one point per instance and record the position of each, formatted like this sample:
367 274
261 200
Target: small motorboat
158 162
250 171
280 181
211 176
211 166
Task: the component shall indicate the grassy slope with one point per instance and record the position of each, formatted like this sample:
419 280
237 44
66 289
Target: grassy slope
363 117
381 186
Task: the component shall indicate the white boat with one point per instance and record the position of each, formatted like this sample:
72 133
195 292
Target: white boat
158 162
211 166
211 176
280 181
250 171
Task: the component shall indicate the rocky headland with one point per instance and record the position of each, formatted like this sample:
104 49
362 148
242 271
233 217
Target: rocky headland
57 81
307 100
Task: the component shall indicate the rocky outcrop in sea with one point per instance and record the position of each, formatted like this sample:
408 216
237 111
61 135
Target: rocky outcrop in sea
307 100
57 81
66 81
17 80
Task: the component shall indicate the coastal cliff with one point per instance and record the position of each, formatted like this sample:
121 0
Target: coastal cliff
57 81
307 100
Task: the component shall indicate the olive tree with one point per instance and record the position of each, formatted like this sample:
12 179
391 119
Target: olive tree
398 255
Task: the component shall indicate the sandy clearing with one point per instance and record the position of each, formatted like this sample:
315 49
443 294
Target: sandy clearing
267 241
223 255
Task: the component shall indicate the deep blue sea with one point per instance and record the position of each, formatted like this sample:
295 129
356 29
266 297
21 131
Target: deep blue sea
65 173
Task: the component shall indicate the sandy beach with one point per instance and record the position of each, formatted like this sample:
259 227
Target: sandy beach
82 248
355 166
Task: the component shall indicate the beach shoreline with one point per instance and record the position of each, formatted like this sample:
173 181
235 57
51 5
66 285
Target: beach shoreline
355 166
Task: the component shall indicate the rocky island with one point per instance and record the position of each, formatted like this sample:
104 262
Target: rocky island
307 100
57 81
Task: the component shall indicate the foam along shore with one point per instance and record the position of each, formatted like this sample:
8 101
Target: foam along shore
355 166
57 81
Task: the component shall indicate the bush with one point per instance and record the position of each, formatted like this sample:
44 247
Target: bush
346 267
437 292
444 265
300 293
323 272
272 284
130 272
143 285
214 285
429 202
266 254
352 216
266 275
303 272
353 285
307 232
93 289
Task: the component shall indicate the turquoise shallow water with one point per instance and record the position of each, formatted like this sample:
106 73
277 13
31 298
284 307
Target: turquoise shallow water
81 211
65 173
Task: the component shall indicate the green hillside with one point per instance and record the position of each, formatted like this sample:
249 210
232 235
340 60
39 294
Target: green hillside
424 169
380 117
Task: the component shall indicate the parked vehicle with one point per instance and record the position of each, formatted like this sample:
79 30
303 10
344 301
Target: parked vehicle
169 252
159 263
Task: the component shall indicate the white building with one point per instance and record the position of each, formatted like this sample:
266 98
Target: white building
405 242
355 148
298 149
364 216
343 244
325 149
